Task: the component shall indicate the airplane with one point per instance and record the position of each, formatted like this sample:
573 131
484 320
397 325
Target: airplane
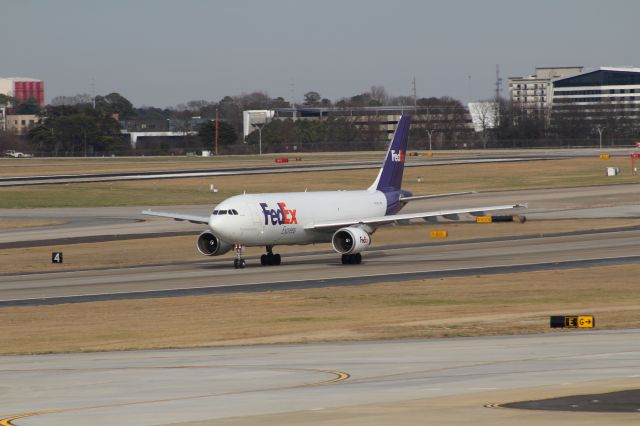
346 219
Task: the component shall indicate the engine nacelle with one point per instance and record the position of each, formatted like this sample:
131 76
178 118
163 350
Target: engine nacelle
210 245
350 240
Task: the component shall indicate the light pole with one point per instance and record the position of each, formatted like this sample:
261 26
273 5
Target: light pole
216 133
430 133
600 130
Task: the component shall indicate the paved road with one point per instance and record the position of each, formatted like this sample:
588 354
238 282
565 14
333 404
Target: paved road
344 383
237 171
389 263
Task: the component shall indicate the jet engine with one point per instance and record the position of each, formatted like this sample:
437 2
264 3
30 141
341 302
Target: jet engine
210 245
350 240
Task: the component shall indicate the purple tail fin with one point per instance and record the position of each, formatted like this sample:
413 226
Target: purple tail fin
390 176
389 179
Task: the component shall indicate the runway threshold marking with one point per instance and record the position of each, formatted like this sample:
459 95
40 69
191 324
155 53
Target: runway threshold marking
340 376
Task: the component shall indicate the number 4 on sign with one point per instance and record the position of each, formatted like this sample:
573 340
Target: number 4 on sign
56 257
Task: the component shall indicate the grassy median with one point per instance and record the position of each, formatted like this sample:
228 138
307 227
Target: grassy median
420 180
484 305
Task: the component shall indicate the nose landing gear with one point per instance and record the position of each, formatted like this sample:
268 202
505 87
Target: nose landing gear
270 258
239 262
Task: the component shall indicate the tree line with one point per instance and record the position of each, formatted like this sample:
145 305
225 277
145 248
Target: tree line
86 125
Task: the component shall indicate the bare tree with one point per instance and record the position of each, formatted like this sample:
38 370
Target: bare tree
79 99
379 94
484 116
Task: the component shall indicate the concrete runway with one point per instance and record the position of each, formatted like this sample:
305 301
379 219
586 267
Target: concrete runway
442 381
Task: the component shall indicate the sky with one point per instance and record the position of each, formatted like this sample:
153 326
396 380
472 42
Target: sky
166 52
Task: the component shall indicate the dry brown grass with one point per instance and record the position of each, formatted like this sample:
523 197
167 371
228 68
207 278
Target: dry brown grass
56 166
116 254
26 223
486 305
436 179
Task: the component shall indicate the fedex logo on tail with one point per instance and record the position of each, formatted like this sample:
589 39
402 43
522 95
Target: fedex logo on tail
397 157
279 216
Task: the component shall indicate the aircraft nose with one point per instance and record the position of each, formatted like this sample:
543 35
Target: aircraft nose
213 221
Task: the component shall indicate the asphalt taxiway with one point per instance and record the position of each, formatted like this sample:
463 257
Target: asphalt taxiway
442 381
317 269
17 181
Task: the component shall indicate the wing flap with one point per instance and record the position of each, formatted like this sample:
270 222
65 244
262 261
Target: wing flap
178 216
403 218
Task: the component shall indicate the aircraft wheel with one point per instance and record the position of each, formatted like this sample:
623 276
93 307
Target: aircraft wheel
264 260
242 264
352 259
235 263
277 259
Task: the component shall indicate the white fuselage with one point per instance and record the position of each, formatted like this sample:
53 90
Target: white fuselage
281 218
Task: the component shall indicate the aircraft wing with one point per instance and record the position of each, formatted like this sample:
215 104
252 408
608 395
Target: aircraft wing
178 216
426 197
398 218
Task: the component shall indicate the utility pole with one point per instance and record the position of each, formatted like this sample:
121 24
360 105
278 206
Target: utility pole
292 88
216 133
498 82
415 93
93 92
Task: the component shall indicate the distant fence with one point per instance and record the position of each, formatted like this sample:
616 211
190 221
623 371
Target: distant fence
417 145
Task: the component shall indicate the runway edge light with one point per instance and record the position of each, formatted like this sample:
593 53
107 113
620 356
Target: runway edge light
572 321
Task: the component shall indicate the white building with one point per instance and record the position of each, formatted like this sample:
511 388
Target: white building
534 91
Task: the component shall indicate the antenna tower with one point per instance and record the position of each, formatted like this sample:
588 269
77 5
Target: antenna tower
498 82
415 92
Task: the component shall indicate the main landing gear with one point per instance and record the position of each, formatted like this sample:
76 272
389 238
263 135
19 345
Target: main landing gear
352 259
270 258
239 262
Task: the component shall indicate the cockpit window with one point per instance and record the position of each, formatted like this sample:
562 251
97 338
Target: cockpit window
230 211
